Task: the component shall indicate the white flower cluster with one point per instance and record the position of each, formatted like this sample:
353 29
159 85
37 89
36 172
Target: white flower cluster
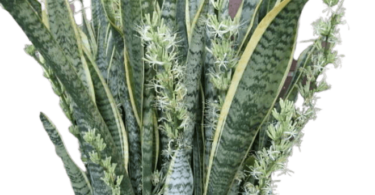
161 54
223 31
287 132
110 178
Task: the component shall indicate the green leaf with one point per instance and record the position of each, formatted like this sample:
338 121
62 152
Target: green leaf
65 31
168 13
181 29
78 179
193 72
265 7
247 21
192 9
303 60
156 146
179 179
210 95
108 109
198 166
255 86
147 137
36 6
85 111
131 19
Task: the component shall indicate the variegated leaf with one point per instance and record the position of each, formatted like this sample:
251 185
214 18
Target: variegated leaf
86 113
131 18
78 179
254 88
147 136
65 31
195 59
248 21
108 109
179 179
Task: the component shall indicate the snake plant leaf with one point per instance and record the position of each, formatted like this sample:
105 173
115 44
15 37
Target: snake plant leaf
157 140
193 72
87 114
198 153
254 88
102 28
108 109
179 179
210 93
131 15
247 20
192 9
181 29
88 31
168 13
78 179
65 32
134 136
265 7
36 6
147 137
304 59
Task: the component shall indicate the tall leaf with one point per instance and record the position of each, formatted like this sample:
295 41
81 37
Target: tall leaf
247 21
108 109
87 114
193 73
78 179
148 137
65 31
255 86
131 14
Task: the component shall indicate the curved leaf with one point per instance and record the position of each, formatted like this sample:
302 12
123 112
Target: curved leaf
65 31
86 112
78 179
255 86
108 109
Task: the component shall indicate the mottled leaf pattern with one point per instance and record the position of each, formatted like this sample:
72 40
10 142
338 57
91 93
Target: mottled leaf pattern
168 13
194 70
247 20
65 32
108 110
78 179
148 137
88 116
102 70
254 88
179 177
131 19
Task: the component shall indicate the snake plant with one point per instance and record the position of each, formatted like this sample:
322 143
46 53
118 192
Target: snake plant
176 96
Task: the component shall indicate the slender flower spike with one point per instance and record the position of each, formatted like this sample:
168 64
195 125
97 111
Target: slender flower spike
178 97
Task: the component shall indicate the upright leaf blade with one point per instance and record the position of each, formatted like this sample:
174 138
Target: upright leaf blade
255 86
86 113
78 179
247 21
194 70
65 32
131 18
179 178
